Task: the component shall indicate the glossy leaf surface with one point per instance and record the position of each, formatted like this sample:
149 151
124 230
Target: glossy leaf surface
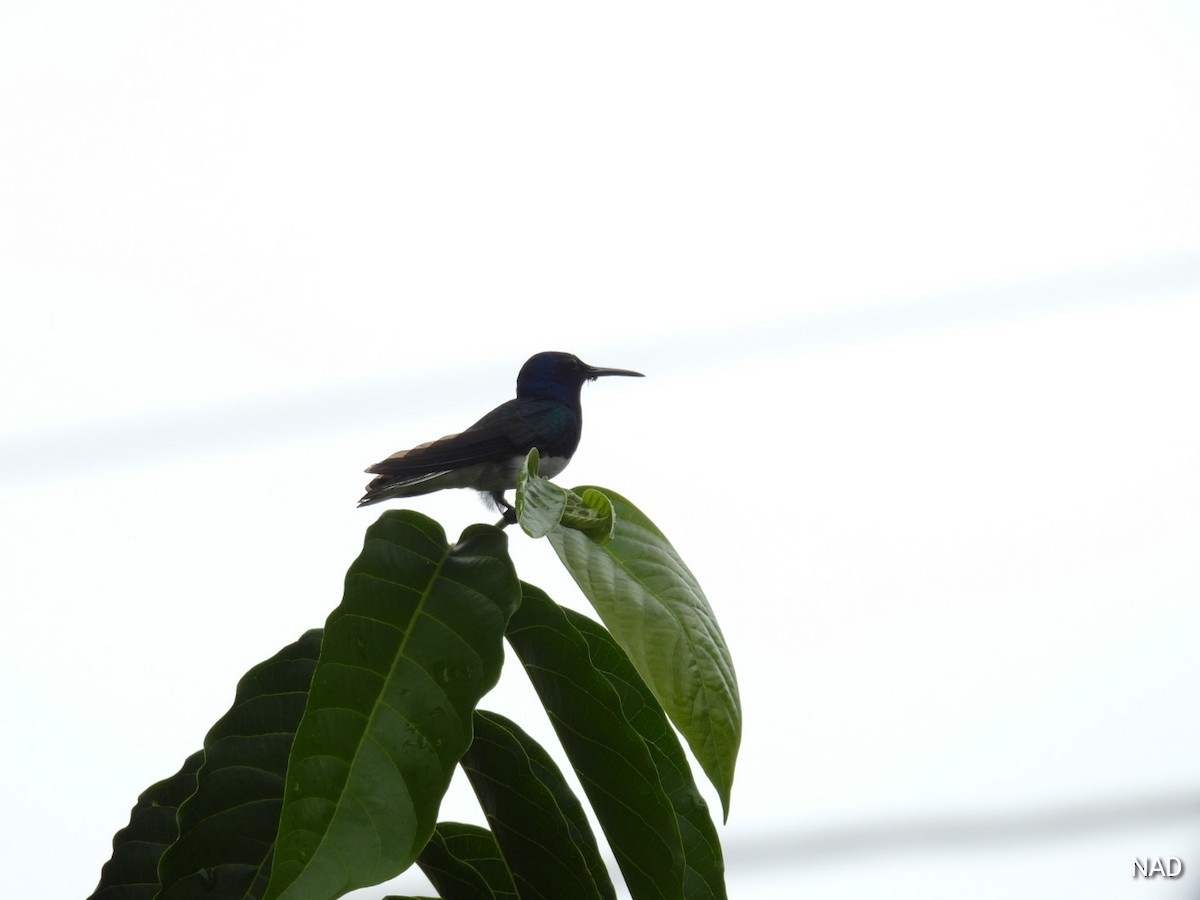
464 861
538 822
132 872
624 751
656 611
228 826
416 641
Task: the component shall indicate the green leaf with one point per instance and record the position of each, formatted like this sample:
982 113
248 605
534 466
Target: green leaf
416 641
620 744
464 861
228 826
654 608
705 874
538 822
591 512
132 872
542 505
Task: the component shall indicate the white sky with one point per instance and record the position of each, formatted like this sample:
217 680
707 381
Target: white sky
916 288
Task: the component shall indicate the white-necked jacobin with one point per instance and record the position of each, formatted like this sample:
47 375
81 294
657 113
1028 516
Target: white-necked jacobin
487 456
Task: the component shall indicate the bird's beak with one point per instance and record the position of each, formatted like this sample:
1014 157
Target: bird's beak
594 372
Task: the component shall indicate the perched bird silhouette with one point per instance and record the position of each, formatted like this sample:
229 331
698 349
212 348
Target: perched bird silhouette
546 414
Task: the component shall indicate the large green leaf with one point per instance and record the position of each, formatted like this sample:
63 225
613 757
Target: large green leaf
464 863
655 609
538 822
132 872
705 866
620 744
227 828
416 641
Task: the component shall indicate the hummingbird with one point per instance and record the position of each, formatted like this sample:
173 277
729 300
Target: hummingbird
546 414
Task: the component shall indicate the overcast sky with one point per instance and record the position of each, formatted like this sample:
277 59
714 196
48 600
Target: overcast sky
915 288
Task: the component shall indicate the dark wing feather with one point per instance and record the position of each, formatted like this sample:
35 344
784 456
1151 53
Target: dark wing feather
505 431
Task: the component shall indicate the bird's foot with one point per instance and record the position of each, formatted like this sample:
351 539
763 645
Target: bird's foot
507 510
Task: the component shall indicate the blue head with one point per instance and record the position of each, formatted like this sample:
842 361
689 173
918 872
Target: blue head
559 376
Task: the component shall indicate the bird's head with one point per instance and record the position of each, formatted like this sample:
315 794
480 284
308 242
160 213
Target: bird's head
558 376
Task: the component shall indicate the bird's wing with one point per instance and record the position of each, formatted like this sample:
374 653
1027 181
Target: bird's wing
506 430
